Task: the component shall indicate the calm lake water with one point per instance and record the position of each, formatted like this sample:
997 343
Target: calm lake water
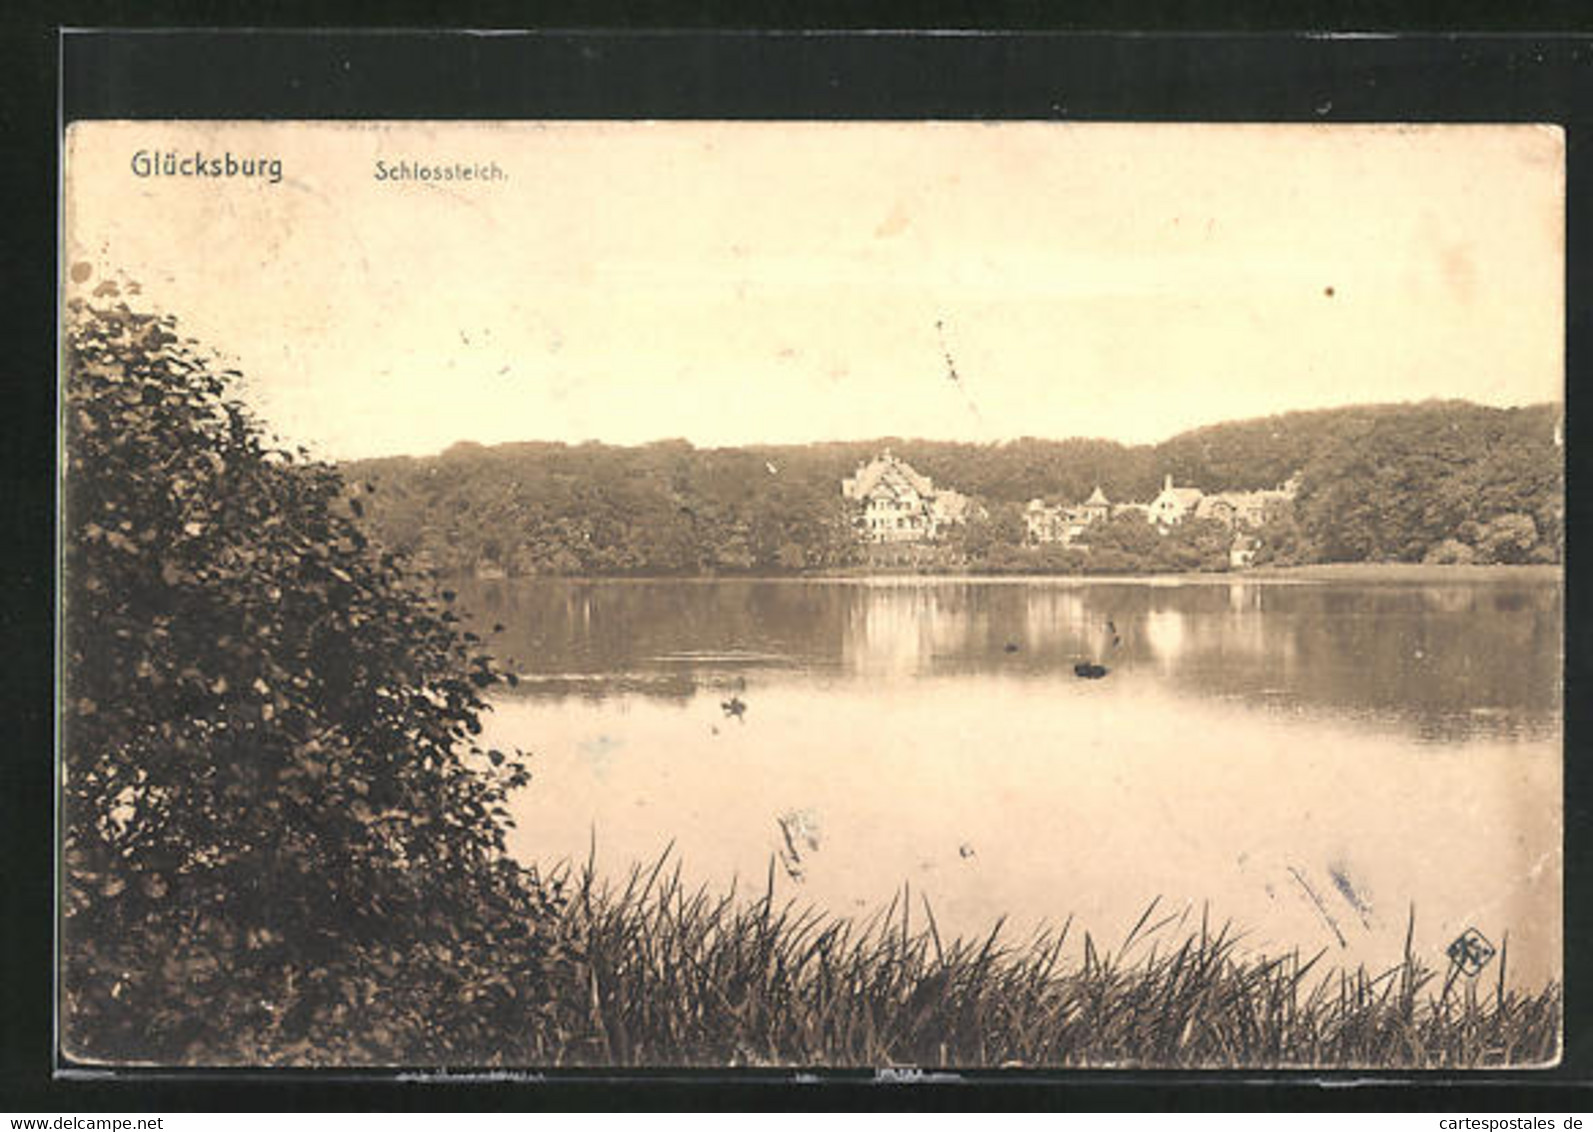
1309 759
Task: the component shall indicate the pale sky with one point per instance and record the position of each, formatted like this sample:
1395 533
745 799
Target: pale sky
781 282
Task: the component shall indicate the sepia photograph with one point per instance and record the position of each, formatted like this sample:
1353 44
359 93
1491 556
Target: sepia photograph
798 595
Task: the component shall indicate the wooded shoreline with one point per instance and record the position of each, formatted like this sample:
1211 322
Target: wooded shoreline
1393 572
1435 482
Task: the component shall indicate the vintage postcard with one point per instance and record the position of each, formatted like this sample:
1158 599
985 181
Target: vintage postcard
941 595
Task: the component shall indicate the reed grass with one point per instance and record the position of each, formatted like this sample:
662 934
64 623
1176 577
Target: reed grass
667 975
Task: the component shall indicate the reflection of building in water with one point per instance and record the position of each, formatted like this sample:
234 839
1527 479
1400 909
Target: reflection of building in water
900 505
1165 631
1051 616
1245 632
1209 640
1243 597
1449 599
900 630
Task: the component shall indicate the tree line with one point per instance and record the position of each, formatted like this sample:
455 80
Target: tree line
1439 481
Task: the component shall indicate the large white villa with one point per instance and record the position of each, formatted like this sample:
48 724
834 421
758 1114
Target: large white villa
900 504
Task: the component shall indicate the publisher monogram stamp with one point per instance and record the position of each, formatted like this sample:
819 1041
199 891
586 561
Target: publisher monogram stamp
1471 952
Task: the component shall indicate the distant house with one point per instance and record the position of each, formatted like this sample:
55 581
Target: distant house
1223 508
947 507
1045 522
1173 504
1096 507
1241 510
898 504
1243 552
1052 522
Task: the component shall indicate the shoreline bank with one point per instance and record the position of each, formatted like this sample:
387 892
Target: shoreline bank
1400 572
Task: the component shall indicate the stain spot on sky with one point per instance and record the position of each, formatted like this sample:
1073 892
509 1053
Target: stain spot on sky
894 224
1459 272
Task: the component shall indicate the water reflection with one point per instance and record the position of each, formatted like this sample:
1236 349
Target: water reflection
1311 759
906 630
1445 662
1166 633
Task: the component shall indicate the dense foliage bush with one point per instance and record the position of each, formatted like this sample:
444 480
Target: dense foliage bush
1450 552
281 841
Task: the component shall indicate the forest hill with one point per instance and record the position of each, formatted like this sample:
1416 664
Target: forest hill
1437 481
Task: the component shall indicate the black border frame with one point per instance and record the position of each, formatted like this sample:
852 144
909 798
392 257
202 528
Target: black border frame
1239 74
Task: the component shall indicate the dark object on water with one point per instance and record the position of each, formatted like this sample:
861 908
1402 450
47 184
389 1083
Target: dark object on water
735 707
1011 647
1088 671
965 850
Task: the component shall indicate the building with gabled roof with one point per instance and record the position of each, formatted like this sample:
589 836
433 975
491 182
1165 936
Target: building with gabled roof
1052 522
900 504
1239 508
1046 522
1173 504
1097 506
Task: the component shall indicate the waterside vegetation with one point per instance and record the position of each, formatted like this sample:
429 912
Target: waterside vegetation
677 976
